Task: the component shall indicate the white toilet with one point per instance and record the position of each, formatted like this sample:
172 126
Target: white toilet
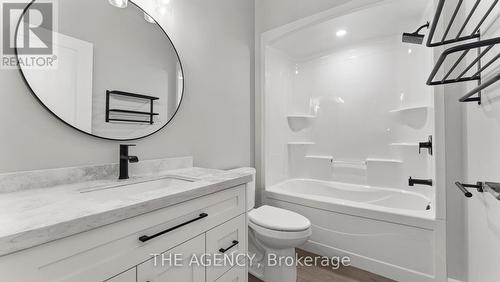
274 233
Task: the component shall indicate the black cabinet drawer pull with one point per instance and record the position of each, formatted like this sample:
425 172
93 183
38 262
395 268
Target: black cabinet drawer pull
146 238
222 250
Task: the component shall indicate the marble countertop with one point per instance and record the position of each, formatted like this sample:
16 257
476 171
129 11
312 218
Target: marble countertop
32 217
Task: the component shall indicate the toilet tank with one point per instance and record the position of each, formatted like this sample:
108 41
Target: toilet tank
250 186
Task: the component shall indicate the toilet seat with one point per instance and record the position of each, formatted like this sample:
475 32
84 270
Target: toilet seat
277 219
279 227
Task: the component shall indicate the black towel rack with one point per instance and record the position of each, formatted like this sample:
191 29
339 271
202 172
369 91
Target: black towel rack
492 187
151 113
487 44
460 36
463 188
467 97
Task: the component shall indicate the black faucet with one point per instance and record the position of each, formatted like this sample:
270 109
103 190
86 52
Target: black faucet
412 182
124 160
425 145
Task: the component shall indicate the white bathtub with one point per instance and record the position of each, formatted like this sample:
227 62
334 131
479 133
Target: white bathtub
387 231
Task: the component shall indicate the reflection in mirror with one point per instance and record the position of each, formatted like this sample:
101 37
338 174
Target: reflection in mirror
116 74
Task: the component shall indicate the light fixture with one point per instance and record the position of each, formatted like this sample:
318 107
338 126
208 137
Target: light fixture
148 18
119 3
341 32
162 6
415 37
410 51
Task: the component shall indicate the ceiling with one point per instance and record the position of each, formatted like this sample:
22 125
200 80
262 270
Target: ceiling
388 18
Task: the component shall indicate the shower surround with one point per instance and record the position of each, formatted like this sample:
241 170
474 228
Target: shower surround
354 115
344 117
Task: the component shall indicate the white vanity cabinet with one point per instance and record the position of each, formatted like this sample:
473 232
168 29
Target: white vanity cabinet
228 239
123 251
175 265
127 276
236 274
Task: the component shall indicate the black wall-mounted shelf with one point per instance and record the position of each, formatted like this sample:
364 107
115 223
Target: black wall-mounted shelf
461 77
109 111
460 36
465 49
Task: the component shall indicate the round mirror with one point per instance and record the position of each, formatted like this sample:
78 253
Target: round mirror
106 67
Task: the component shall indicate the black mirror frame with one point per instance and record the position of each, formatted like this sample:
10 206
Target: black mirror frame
87 133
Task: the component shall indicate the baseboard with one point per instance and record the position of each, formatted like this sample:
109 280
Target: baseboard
453 280
378 267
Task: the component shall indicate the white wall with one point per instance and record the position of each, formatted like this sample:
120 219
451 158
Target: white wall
471 240
279 74
452 122
215 40
270 14
482 163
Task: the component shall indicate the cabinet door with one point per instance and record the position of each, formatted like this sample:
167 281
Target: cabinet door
236 274
127 276
175 264
227 241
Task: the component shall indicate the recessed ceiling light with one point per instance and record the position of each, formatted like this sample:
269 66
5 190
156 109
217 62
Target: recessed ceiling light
341 32
339 100
119 3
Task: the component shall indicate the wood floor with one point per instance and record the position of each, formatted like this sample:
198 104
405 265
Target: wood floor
327 274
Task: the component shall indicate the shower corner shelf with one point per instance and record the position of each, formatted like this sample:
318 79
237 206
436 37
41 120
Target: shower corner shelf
300 143
378 160
319 157
404 144
298 122
300 116
413 108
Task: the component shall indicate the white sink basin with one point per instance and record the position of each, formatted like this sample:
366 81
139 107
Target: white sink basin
141 184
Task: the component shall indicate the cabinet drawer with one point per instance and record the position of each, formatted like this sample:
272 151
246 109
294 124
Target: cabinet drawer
236 274
104 252
127 276
228 239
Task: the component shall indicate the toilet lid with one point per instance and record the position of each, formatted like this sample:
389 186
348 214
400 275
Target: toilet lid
278 219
